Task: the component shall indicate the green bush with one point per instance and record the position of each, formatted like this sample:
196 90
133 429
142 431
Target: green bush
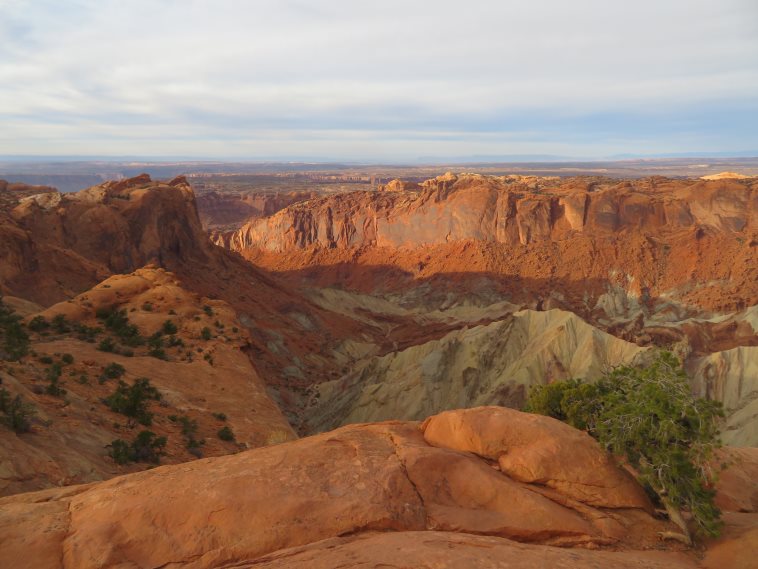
146 447
220 416
38 324
15 413
226 434
14 341
169 328
107 345
120 451
205 333
53 376
60 324
189 430
132 400
67 359
118 322
649 416
112 371
86 333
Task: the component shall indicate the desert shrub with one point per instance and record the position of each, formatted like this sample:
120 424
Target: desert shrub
147 306
205 333
107 345
146 447
86 333
118 322
67 359
38 324
47 360
133 400
649 416
189 430
112 371
14 341
158 353
208 310
169 328
225 433
55 388
60 324
220 416
120 451
15 413
155 344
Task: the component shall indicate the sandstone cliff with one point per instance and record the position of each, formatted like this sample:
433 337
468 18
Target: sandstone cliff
664 237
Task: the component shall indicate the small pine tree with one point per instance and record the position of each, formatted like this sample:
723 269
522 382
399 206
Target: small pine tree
649 416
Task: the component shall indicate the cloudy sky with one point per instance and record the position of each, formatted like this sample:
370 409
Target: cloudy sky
380 80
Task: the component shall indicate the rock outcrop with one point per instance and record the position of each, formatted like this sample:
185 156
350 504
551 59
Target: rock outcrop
279 504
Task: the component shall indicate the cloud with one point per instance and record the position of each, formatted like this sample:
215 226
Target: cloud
243 77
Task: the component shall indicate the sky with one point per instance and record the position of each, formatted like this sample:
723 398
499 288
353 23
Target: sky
377 81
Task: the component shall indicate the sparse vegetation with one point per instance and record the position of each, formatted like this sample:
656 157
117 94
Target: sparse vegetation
38 324
118 322
189 430
133 400
55 388
169 328
86 333
14 341
15 413
146 447
208 310
112 371
649 416
60 324
220 416
225 433
205 333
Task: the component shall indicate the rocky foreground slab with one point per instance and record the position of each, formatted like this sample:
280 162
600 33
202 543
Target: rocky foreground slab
464 489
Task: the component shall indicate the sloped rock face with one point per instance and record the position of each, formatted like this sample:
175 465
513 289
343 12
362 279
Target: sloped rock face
731 376
384 477
481 365
67 444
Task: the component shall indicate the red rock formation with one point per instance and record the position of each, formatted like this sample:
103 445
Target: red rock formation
384 477
650 236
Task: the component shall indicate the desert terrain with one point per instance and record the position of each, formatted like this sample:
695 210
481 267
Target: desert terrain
330 368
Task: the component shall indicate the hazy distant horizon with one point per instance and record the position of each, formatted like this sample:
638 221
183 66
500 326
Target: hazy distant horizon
411 161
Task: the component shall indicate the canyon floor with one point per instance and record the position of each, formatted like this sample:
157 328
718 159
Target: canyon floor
324 370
